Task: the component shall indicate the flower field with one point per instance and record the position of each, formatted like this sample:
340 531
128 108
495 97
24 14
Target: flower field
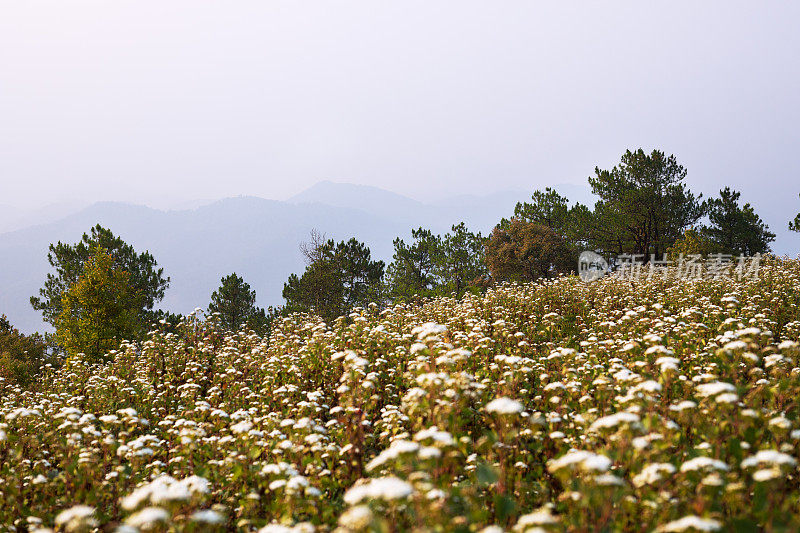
657 405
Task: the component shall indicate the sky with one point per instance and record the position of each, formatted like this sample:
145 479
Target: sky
159 102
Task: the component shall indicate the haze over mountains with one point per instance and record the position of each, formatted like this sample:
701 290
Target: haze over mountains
257 238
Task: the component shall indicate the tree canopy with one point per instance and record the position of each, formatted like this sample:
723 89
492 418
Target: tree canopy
338 276
436 265
413 270
102 308
462 265
550 209
21 356
526 251
145 277
234 301
736 229
644 205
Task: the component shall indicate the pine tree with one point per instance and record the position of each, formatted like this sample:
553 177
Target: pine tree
234 301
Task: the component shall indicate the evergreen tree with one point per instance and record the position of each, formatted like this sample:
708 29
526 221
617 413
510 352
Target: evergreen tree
460 265
68 260
734 229
644 205
794 225
547 208
550 209
337 278
436 265
412 271
234 301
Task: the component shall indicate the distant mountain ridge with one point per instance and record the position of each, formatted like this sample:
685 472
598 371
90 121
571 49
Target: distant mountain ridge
257 238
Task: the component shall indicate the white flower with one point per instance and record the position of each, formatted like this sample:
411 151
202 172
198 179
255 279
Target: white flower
242 427
504 406
165 489
690 522
703 463
653 473
712 389
208 516
727 397
787 345
356 518
767 474
683 406
22 412
277 484
441 437
735 346
612 421
781 422
429 331
769 458
659 350
386 488
148 517
540 517
296 483
395 449
609 480
76 517
582 460
668 363
648 386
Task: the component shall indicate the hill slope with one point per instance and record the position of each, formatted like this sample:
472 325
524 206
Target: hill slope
603 406
257 238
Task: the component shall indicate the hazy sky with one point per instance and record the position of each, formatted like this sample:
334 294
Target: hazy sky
155 101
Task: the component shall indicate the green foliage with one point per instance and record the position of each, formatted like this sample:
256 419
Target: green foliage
435 265
693 242
337 278
235 306
644 205
794 225
527 251
263 320
413 270
22 356
68 261
164 320
102 308
734 229
461 266
234 301
548 208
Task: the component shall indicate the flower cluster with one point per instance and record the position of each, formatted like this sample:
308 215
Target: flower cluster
666 404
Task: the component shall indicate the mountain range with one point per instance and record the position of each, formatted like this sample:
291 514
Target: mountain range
259 239
256 238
